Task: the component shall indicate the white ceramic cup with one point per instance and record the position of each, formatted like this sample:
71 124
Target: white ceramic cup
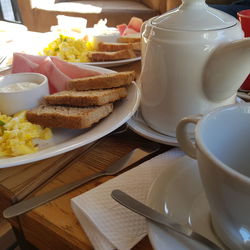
13 102
222 149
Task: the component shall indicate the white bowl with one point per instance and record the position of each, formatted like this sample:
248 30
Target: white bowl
24 99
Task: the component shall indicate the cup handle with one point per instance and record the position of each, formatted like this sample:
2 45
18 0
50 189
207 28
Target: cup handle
182 135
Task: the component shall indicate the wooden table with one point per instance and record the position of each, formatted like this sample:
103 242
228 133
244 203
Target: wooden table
53 225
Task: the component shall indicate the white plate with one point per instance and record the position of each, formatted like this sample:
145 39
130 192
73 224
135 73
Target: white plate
178 193
139 126
65 140
110 64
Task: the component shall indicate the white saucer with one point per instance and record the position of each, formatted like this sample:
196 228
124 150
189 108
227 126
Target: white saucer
179 194
139 126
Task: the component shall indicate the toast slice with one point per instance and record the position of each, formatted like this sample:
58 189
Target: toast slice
68 117
129 39
110 47
136 46
86 98
104 81
100 56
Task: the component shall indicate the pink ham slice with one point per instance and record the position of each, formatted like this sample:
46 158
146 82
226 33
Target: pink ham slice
133 27
122 28
57 71
135 23
129 31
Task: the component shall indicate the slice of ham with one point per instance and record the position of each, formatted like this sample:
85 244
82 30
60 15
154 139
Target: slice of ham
129 31
133 27
122 28
135 23
57 71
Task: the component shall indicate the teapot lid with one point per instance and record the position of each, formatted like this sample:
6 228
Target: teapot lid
194 15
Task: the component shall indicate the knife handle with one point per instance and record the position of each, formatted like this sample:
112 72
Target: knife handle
26 205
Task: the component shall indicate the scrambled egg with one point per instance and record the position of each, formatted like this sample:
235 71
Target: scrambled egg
69 49
17 134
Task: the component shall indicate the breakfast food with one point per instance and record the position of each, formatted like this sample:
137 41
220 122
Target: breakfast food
68 117
104 81
76 43
19 86
17 134
86 102
86 98
136 46
133 28
99 56
69 49
129 39
110 47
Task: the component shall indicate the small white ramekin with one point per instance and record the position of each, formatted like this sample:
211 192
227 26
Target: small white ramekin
13 102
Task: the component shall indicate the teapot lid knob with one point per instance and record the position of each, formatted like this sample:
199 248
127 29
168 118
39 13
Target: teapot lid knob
194 15
193 2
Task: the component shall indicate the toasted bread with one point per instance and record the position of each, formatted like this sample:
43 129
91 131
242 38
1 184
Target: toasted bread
68 117
110 47
136 46
100 56
129 39
86 98
104 81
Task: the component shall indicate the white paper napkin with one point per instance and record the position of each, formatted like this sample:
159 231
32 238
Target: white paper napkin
110 225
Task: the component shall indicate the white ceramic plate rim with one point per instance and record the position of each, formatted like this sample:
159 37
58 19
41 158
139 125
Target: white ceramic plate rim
123 110
110 63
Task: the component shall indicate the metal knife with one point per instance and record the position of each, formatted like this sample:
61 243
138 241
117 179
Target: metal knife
136 156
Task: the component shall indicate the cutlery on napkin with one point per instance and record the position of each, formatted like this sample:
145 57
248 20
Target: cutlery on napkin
109 225
159 218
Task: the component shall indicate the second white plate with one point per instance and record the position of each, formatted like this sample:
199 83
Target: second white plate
110 64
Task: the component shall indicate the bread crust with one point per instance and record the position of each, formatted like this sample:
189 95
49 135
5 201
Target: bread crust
68 117
104 81
86 98
99 56
127 39
136 46
110 47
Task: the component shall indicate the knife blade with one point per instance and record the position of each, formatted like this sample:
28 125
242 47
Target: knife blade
134 157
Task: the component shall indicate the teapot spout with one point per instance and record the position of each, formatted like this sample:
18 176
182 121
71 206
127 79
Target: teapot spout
226 69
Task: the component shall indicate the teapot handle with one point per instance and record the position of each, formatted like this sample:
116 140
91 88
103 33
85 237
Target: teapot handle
185 142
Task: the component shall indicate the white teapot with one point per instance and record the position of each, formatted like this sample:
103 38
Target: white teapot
194 58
